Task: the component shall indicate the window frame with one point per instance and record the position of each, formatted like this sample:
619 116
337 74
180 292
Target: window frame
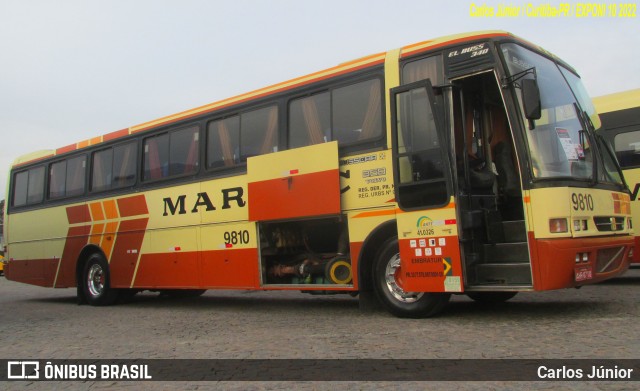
112 148
13 188
241 165
66 160
168 132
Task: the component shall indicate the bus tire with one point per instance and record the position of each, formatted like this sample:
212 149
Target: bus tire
388 286
96 281
491 297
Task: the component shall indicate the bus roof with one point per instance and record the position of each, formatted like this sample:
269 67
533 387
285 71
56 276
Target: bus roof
617 101
343 68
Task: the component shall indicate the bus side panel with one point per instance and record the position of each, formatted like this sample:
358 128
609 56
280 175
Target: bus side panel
608 257
125 254
77 238
234 268
294 183
361 225
229 256
430 251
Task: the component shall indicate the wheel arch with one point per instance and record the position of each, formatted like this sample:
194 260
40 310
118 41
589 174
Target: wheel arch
370 248
82 260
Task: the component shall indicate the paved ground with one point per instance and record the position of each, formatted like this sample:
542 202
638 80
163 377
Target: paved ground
593 322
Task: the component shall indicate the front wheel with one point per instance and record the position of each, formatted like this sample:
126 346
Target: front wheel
96 283
389 287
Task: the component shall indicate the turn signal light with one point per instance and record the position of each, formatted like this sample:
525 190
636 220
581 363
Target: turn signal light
557 226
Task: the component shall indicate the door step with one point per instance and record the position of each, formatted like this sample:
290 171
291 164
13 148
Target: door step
507 232
506 253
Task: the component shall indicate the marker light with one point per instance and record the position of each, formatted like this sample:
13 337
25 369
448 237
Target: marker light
558 226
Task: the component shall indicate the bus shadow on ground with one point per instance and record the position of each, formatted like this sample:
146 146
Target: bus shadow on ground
519 309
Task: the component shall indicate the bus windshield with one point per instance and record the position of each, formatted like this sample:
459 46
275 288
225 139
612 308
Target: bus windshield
560 143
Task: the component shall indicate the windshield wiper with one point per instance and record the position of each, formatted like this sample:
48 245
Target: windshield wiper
589 129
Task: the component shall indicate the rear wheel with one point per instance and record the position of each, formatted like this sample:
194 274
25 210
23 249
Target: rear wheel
96 283
388 283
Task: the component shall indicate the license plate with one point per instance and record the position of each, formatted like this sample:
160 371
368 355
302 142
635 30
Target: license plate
583 273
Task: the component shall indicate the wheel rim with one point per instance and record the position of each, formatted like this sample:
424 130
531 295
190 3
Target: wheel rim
393 279
95 280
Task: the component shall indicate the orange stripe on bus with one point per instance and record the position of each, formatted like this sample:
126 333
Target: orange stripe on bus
110 209
126 251
376 213
78 214
66 149
96 211
96 233
133 206
115 135
108 239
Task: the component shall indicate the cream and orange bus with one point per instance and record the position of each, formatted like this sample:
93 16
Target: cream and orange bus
620 116
466 164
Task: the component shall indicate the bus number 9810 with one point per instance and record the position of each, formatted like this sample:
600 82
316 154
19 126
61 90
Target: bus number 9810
236 237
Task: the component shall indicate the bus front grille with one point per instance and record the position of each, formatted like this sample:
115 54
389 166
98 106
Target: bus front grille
609 223
609 259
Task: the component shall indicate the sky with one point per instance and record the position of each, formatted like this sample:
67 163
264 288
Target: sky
75 69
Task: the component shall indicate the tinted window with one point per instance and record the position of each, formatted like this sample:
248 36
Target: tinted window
28 187
171 154
310 120
258 132
425 68
20 183
357 112
35 192
223 143
114 167
67 177
124 165
627 147
102 172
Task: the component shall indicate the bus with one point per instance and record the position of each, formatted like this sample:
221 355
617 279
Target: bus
620 116
467 164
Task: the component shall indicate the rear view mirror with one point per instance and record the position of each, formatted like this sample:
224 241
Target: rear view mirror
531 99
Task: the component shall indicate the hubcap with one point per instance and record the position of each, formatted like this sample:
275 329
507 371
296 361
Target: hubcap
95 280
393 278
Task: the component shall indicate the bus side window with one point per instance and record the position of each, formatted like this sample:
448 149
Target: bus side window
183 151
357 112
113 168
223 143
124 165
310 120
258 132
28 187
57 177
76 168
627 147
